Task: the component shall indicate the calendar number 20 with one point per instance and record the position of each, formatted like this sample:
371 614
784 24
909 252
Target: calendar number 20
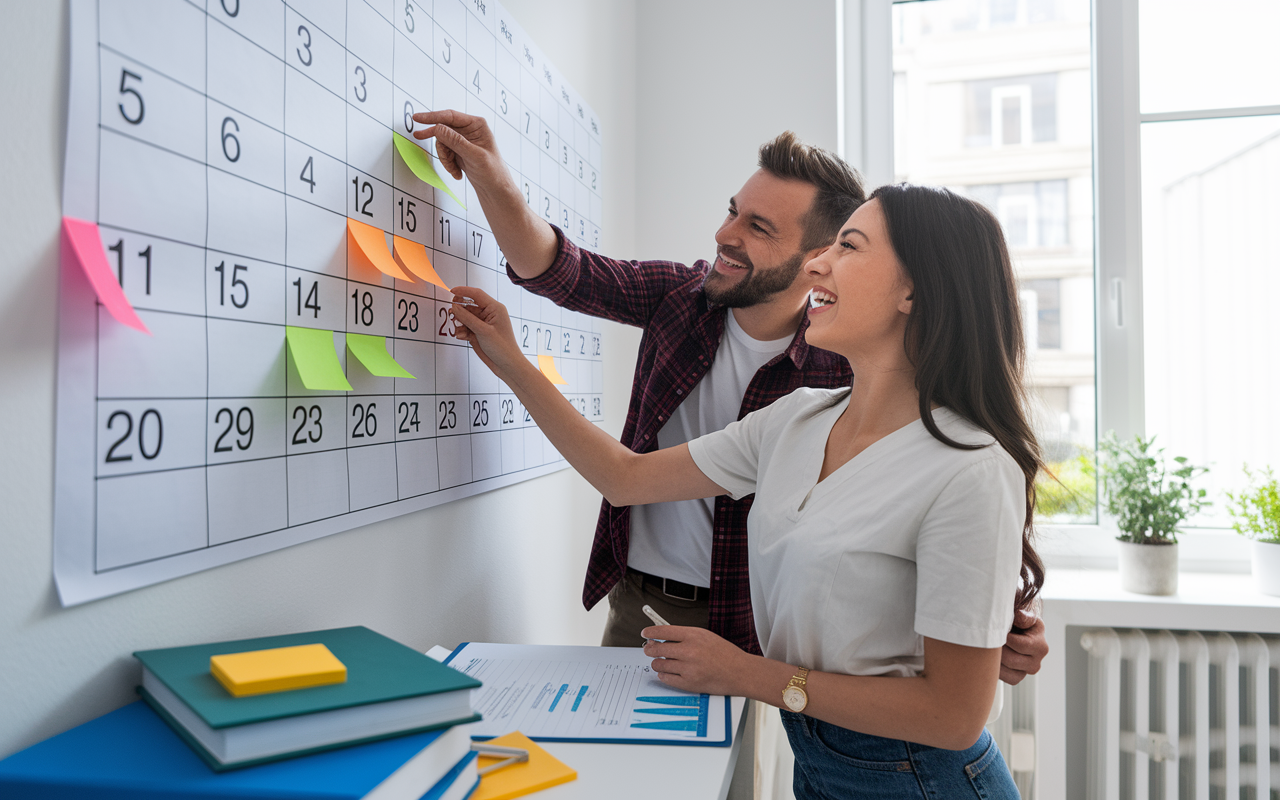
143 438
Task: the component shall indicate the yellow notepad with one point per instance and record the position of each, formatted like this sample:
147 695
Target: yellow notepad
543 770
278 669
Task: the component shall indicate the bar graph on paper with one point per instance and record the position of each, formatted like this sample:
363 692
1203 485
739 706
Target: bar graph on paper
557 693
255 337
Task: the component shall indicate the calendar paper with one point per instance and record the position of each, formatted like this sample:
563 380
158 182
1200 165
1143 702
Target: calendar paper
242 182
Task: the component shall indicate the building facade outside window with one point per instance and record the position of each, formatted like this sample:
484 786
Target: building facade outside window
992 99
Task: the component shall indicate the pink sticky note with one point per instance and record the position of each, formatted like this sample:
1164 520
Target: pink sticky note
86 245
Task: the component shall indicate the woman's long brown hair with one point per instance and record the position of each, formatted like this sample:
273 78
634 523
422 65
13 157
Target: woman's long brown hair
964 333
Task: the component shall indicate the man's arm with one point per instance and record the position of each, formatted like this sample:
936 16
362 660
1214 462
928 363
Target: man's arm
1023 652
465 144
628 292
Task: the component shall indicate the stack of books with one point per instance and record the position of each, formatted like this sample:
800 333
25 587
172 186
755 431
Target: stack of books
394 729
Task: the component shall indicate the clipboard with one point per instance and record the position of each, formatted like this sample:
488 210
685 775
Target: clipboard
565 693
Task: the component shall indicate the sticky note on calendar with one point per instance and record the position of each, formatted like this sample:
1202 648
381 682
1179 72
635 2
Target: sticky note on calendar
370 244
316 359
372 352
85 243
547 364
413 257
419 162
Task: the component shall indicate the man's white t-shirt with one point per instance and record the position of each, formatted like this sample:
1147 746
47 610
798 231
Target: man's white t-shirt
910 538
673 540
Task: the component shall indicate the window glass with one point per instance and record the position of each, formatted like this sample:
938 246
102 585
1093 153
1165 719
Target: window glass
1197 55
992 99
1211 276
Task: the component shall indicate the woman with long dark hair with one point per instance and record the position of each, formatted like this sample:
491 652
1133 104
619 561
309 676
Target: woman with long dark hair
891 521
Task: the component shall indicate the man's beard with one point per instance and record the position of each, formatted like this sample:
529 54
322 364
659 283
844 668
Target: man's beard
756 287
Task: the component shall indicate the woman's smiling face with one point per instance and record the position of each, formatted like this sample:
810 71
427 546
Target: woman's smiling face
861 296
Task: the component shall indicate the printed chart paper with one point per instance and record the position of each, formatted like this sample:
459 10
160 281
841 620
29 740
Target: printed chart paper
562 693
242 184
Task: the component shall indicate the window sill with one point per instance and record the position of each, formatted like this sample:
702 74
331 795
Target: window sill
1205 601
1094 547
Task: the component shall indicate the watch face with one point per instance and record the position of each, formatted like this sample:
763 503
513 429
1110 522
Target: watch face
795 698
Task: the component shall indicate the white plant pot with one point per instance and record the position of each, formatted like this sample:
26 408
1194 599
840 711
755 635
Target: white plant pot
1149 568
1266 567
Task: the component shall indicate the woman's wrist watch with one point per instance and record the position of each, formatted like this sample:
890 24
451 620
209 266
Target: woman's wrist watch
794 696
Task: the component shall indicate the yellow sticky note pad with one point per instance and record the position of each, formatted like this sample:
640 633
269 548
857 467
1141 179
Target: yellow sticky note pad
542 771
277 670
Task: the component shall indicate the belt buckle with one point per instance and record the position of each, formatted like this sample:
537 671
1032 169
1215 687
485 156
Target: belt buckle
691 597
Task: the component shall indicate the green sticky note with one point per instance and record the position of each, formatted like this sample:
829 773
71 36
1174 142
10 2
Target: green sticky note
372 352
419 160
316 359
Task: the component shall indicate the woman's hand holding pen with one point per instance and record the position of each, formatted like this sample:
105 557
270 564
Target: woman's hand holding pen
485 323
697 660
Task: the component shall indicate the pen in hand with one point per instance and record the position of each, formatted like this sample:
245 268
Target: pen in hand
655 616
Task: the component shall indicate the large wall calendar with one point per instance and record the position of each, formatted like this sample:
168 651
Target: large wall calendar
255 346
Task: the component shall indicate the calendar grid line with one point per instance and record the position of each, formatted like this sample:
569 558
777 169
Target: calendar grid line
208 505
346 38
284 179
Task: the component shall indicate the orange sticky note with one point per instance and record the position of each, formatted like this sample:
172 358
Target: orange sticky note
85 244
413 257
370 243
548 366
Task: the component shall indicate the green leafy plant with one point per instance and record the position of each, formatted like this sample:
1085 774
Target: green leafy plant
1148 497
1068 489
1256 510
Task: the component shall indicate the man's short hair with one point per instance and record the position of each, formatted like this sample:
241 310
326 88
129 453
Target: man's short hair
839 185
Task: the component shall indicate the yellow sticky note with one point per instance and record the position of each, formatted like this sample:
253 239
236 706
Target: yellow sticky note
277 670
316 359
372 352
419 162
371 246
413 257
543 770
548 366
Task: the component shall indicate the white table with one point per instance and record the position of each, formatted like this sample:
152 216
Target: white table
644 771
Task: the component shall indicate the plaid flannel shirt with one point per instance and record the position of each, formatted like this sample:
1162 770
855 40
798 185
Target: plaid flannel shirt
682 332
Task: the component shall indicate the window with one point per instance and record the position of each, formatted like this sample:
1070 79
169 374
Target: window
1011 111
1042 309
1033 214
980 89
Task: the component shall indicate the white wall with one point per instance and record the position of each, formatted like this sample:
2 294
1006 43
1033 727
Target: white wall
506 565
685 92
718 78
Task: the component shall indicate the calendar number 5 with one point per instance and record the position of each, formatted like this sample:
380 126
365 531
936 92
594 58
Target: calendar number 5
142 108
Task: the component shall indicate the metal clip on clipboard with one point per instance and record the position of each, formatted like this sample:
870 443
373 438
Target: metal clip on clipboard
514 755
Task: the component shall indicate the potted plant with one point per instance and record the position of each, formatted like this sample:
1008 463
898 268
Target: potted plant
1256 512
1149 499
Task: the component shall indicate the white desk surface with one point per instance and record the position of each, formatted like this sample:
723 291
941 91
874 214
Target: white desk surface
643 771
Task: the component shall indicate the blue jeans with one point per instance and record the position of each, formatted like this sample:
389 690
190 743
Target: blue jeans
834 762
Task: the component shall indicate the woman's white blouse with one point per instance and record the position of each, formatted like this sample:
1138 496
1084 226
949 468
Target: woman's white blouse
910 538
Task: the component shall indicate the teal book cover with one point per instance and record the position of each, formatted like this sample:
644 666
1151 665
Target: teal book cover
379 669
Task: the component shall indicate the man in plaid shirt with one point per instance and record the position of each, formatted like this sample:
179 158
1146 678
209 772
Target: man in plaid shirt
720 340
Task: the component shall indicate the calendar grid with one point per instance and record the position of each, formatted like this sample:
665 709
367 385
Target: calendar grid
208 446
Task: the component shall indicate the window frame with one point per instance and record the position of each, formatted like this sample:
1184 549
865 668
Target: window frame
865 136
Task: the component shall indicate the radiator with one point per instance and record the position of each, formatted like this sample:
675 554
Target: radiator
1182 715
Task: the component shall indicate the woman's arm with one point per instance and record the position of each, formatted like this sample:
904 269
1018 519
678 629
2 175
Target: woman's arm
623 477
945 706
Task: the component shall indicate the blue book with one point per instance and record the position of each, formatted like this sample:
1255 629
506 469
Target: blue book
131 754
